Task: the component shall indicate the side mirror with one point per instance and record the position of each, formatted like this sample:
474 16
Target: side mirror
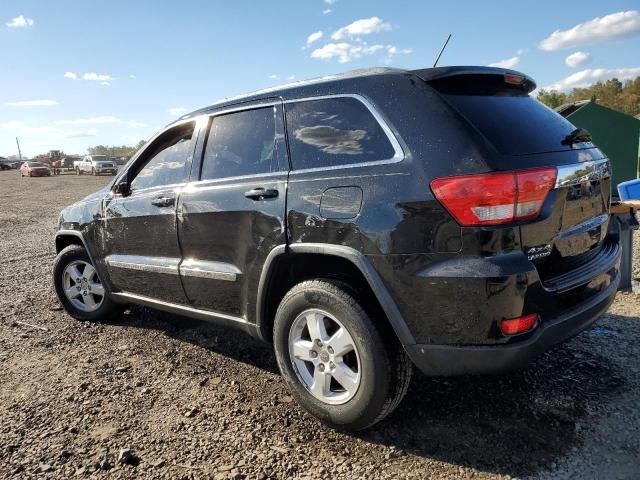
122 188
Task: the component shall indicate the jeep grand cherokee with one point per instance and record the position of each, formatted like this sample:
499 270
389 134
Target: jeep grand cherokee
361 223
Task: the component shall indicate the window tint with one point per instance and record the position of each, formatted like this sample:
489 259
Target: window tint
240 143
335 131
169 154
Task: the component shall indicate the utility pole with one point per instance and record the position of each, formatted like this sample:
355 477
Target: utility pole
19 152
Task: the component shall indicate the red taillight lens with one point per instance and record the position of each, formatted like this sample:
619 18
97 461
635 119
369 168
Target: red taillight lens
495 198
518 325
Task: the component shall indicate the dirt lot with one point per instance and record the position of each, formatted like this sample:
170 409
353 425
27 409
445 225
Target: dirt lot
194 401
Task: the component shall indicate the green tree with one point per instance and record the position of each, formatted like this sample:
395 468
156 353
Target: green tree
624 97
552 98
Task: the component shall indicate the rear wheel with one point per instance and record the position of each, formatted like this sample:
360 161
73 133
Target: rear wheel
78 286
334 359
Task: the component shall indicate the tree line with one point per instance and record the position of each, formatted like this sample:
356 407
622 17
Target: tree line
624 97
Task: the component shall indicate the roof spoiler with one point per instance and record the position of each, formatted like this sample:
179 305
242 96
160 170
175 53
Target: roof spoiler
441 73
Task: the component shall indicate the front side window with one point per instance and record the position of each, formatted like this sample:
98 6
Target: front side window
240 143
334 131
167 158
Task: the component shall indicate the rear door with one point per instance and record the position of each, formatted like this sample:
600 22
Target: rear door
140 241
232 214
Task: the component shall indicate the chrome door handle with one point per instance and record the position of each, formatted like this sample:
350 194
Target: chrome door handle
163 201
261 193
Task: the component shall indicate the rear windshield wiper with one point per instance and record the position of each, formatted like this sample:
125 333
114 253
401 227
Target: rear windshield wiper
577 136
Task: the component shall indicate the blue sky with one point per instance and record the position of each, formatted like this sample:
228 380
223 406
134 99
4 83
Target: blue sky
139 64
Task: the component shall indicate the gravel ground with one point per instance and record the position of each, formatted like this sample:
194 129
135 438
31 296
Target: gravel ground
155 396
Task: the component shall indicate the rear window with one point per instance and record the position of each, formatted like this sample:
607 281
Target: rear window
333 132
514 124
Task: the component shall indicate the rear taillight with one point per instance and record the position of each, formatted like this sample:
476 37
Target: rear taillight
518 325
495 198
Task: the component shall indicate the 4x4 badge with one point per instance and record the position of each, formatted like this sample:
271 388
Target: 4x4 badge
540 251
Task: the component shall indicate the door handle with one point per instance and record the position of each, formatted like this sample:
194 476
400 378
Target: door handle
261 193
163 201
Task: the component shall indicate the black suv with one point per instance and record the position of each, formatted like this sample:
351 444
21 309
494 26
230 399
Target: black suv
360 222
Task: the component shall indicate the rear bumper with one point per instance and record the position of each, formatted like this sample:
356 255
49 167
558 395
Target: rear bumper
447 360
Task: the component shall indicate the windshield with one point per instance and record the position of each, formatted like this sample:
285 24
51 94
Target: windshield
100 158
36 164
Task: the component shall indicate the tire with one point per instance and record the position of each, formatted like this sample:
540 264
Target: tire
77 255
383 368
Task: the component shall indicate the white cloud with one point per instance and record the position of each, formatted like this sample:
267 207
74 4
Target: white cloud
90 120
599 29
177 111
291 77
273 76
88 133
506 63
136 124
33 103
70 75
106 84
588 77
330 2
520 52
132 76
345 52
314 37
327 11
97 77
20 21
364 26
21 127
577 59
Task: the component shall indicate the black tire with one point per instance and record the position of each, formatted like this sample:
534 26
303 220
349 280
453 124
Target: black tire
107 309
384 366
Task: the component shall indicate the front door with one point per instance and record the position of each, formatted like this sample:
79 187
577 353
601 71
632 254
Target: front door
140 236
232 213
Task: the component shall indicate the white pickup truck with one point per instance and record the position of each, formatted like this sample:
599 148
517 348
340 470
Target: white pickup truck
95 165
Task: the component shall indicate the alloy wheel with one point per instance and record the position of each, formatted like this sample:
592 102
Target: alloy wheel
324 357
82 287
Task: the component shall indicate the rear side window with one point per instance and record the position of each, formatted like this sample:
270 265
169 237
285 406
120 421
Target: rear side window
333 132
241 143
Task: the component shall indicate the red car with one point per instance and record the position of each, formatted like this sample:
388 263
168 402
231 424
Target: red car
34 169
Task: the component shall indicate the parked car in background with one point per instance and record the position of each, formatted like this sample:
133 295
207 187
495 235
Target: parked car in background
361 223
34 169
5 165
95 165
122 160
16 165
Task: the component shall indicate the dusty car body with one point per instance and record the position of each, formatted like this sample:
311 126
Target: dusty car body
468 244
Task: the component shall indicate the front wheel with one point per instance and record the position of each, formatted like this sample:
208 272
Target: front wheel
334 359
78 286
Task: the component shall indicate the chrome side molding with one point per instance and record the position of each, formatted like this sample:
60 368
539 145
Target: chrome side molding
144 263
209 270
578 173
173 266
